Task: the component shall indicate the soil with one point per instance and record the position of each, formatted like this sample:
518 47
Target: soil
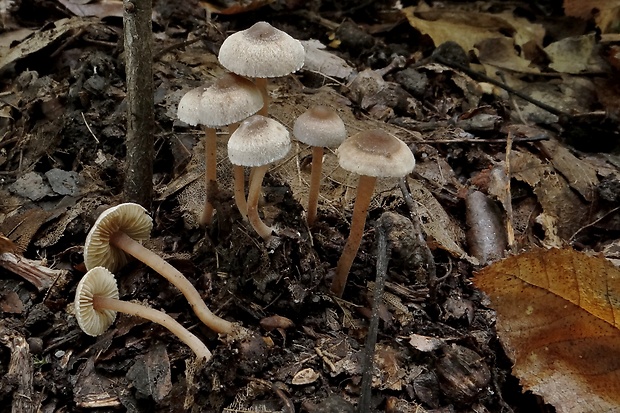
437 347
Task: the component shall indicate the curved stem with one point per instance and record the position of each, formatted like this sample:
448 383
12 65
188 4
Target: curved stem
242 205
365 188
210 174
315 183
254 193
135 249
163 319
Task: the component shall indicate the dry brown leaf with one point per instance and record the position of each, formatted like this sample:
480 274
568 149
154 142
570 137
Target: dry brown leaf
558 313
605 12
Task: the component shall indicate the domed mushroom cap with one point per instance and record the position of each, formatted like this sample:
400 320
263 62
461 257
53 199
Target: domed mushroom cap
189 106
130 218
101 283
262 51
376 153
258 141
230 99
320 126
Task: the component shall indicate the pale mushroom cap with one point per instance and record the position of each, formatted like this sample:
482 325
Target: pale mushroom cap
258 141
376 153
130 218
230 99
189 106
320 126
262 51
101 283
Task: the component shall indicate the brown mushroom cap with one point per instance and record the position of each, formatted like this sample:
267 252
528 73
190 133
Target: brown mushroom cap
262 51
376 153
189 110
320 126
230 99
130 218
258 141
97 282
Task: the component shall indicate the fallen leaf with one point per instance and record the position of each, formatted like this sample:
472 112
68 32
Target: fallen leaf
558 313
575 55
326 63
41 39
606 12
102 8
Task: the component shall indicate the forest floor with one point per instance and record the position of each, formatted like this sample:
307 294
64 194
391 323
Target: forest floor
62 123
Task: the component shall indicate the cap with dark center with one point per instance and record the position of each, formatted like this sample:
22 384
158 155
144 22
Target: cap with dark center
258 141
371 154
376 153
230 99
261 51
320 126
129 218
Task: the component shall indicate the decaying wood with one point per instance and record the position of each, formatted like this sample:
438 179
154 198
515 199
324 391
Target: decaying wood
20 372
32 271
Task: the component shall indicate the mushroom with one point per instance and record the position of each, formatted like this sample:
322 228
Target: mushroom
96 305
261 52
229 100
257 143
371 154
318 127
118 232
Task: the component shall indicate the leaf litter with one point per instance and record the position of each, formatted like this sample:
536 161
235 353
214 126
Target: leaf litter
63 128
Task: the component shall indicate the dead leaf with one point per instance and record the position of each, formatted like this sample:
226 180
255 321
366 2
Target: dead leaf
575 55
436 223
607 11
101 8
558 313
324 62
40 39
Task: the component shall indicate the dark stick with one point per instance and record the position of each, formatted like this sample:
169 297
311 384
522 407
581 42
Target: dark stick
371 338
140 102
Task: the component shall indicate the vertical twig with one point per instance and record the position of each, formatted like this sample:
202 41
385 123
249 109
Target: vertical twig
371 337
140 102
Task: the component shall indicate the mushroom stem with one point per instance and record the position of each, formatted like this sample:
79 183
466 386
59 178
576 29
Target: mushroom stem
161 266
365 188
261 83
210 173
163 319
242 204
253 194
315 183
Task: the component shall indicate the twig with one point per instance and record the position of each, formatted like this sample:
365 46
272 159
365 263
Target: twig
88 127
371 337
476 140
593 223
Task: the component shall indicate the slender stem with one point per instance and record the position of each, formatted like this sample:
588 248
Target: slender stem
315 183
135 249
163 319
254 193
261 83
210 174
365 188
242 205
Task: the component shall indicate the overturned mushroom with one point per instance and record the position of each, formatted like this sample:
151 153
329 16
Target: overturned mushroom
118 232
96 305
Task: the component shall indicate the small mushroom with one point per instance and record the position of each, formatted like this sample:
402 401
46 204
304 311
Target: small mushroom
118 232
257 143
319 127
370 154
96 305
261 52
229 100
